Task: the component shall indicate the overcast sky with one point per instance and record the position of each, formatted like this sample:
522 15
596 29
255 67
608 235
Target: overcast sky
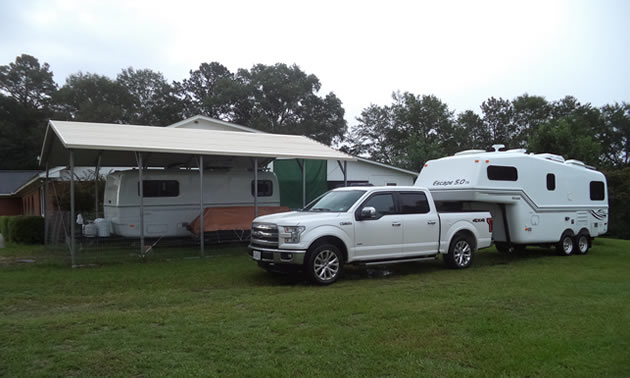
461 51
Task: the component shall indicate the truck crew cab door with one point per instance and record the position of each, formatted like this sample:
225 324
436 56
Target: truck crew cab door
379 236
420 224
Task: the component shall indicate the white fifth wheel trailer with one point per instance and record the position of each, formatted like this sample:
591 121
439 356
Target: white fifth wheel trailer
534 199
171 198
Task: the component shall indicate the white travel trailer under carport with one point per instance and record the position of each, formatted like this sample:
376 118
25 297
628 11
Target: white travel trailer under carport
171 198
535 199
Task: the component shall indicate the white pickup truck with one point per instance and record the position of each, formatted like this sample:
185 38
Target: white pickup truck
366 225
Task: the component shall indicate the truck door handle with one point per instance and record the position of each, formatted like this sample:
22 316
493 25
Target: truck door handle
431 222
396 224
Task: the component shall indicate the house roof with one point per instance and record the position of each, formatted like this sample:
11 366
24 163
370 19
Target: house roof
368 161
197 118
11 181
117 144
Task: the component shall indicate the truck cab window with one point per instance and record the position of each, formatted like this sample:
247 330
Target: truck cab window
551 181
265 188
413 203
383 203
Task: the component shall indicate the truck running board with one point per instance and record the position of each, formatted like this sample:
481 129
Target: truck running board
396 261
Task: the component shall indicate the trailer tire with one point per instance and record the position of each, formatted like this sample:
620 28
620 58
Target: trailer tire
460 252
566 245
582 243
324 264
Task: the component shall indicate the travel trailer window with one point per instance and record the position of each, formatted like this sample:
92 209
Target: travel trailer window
551 181
597 190
413 203
265 188
159 188
502 173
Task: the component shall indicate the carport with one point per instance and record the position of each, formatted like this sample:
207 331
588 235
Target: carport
100 144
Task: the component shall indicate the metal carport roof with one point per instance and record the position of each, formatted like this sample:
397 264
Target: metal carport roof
98 144
117 144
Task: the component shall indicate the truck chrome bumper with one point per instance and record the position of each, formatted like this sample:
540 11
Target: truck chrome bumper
277 256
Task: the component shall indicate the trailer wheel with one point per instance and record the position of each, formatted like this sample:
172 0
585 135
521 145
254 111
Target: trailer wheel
582 243
566 244
324 264
460 253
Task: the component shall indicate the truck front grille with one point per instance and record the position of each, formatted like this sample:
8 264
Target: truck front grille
264 235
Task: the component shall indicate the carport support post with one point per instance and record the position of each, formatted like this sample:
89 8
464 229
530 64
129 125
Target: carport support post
46 215
141 190
345 173
72 220
96 171
303 183
201 214
255 187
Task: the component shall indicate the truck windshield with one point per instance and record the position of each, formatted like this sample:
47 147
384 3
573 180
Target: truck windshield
336 202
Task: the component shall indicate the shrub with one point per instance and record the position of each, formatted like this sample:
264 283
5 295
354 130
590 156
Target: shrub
4 227
26 229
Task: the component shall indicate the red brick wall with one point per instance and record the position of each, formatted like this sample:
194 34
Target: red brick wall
10 206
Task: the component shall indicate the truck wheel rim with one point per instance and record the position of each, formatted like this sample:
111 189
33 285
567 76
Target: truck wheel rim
567 245
326 265
583 244
462 253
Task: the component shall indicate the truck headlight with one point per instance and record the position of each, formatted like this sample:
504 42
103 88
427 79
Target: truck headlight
292 234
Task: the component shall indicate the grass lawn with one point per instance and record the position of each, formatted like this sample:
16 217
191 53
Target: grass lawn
532 314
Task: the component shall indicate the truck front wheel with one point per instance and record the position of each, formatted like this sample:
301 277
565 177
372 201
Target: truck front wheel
324 264
460 253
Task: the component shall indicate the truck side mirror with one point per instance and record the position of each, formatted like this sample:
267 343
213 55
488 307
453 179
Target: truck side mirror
368 212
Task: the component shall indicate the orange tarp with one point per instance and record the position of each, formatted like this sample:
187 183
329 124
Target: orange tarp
232 218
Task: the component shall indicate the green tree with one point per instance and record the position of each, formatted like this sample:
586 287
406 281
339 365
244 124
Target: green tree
94 98
618 199
407 133
211 90
28 82
566 137
154 101
615 135
283 99
26 88
472 131
498 117
529 113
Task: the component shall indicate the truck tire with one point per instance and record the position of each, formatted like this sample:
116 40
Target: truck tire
582 243
566 245
460 252
324 264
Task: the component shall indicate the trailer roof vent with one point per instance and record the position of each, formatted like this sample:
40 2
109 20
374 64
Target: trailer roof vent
498 147
552 157
469 152
521 150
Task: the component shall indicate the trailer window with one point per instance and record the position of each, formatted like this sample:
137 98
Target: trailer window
413 203
597 191
265 188
159 188
551 181
502 173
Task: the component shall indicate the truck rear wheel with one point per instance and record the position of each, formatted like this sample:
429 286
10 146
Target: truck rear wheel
460 253
324 264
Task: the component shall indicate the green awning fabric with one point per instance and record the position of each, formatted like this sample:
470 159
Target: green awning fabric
290 181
